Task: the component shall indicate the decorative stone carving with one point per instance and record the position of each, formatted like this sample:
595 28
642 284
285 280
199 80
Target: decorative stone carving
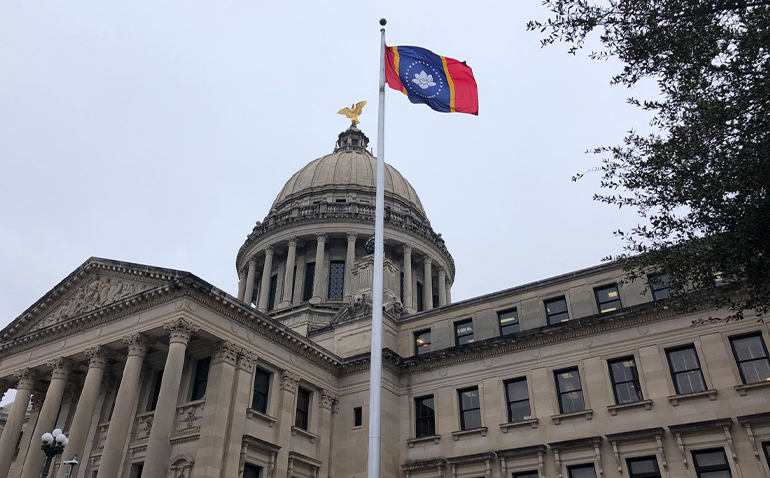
98 356
322 237
226 351
180 330
328 399
289 380
97 293
61 367
246 360
137 344
26 378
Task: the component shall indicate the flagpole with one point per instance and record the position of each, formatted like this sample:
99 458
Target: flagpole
375 371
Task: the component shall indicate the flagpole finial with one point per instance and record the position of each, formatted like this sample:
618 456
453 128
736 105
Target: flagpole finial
383 22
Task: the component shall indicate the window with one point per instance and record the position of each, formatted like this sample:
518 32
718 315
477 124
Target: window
570 391
303 409
711 464
685 370
660 286
422 342
509 321
155 391
137 471
425 417
293 283
625 380
307 292
201 378
607 298
271 292
464 332
556 310
358 416
766 447
401 293
517 396
527 474
250 471
336 280
420 301
644 467
751 355
470 408
581 471
261 390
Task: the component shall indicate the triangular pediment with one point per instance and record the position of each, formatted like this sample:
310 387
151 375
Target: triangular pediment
96 284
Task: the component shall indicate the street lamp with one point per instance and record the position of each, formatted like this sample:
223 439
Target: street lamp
53 444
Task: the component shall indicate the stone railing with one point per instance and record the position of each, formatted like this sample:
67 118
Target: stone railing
144 425
102 428
189 416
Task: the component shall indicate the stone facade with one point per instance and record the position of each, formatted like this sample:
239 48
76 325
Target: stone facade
155 372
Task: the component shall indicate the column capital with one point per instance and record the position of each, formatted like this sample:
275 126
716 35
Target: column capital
252 261
293 241
406 248
321 237
269 251
61 367
427 258
241 274
289 380
246 360
441 271
352 236
180 330
225 351
27 377
328 398
98 356
137 344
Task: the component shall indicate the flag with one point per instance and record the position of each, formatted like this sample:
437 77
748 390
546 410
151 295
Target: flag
444 84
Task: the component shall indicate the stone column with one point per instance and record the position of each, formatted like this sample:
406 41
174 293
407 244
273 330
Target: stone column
241 284
441 287
81 422
319 268
249 293
159 444
122 416
285 416
449 294
326 402
264 289
46 421
26 437
288 275
215 422
407 268
350 259
244 382
26 381
427 282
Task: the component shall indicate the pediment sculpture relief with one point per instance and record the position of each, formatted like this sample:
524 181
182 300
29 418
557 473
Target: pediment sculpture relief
95 294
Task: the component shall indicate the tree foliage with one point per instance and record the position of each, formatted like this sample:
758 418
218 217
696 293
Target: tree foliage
701 179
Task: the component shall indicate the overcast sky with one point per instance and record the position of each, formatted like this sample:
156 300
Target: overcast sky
160 132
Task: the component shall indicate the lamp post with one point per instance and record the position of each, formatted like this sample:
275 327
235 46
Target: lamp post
53 444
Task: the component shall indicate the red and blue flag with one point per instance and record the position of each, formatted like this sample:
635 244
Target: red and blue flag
444 84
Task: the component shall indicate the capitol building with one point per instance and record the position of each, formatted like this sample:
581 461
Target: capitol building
155 373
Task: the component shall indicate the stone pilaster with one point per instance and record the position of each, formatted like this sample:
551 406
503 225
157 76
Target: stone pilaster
326 401
285 416
26 379
122 416
159 444
427 290
215 422
320 269
407 269
241 284
60 370
288 274
81 423
350 260
441 287
244 382
248 294
264 288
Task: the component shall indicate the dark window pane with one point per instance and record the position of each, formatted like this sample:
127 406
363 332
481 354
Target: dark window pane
156 391
470 409
509 321
625 380
685 370
526 474
336 280
425 424
582 471
751 356
422 342
250 471
570 391
660 285
517 395
307 292
646 467
357 416
556 310
402 288
261 390
607 299
463 332
711 464
271 292
201 378
420 302
303 409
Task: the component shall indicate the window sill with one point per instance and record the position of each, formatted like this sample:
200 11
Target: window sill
613 409
252 413
529 421
675 399
587 414
304 433
744 389
413 441
473 431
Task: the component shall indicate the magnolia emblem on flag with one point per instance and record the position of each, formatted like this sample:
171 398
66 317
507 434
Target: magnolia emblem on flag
427 87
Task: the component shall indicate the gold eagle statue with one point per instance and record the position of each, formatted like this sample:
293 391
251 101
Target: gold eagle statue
353 112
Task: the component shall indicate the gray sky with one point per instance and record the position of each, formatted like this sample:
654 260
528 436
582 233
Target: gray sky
159 132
